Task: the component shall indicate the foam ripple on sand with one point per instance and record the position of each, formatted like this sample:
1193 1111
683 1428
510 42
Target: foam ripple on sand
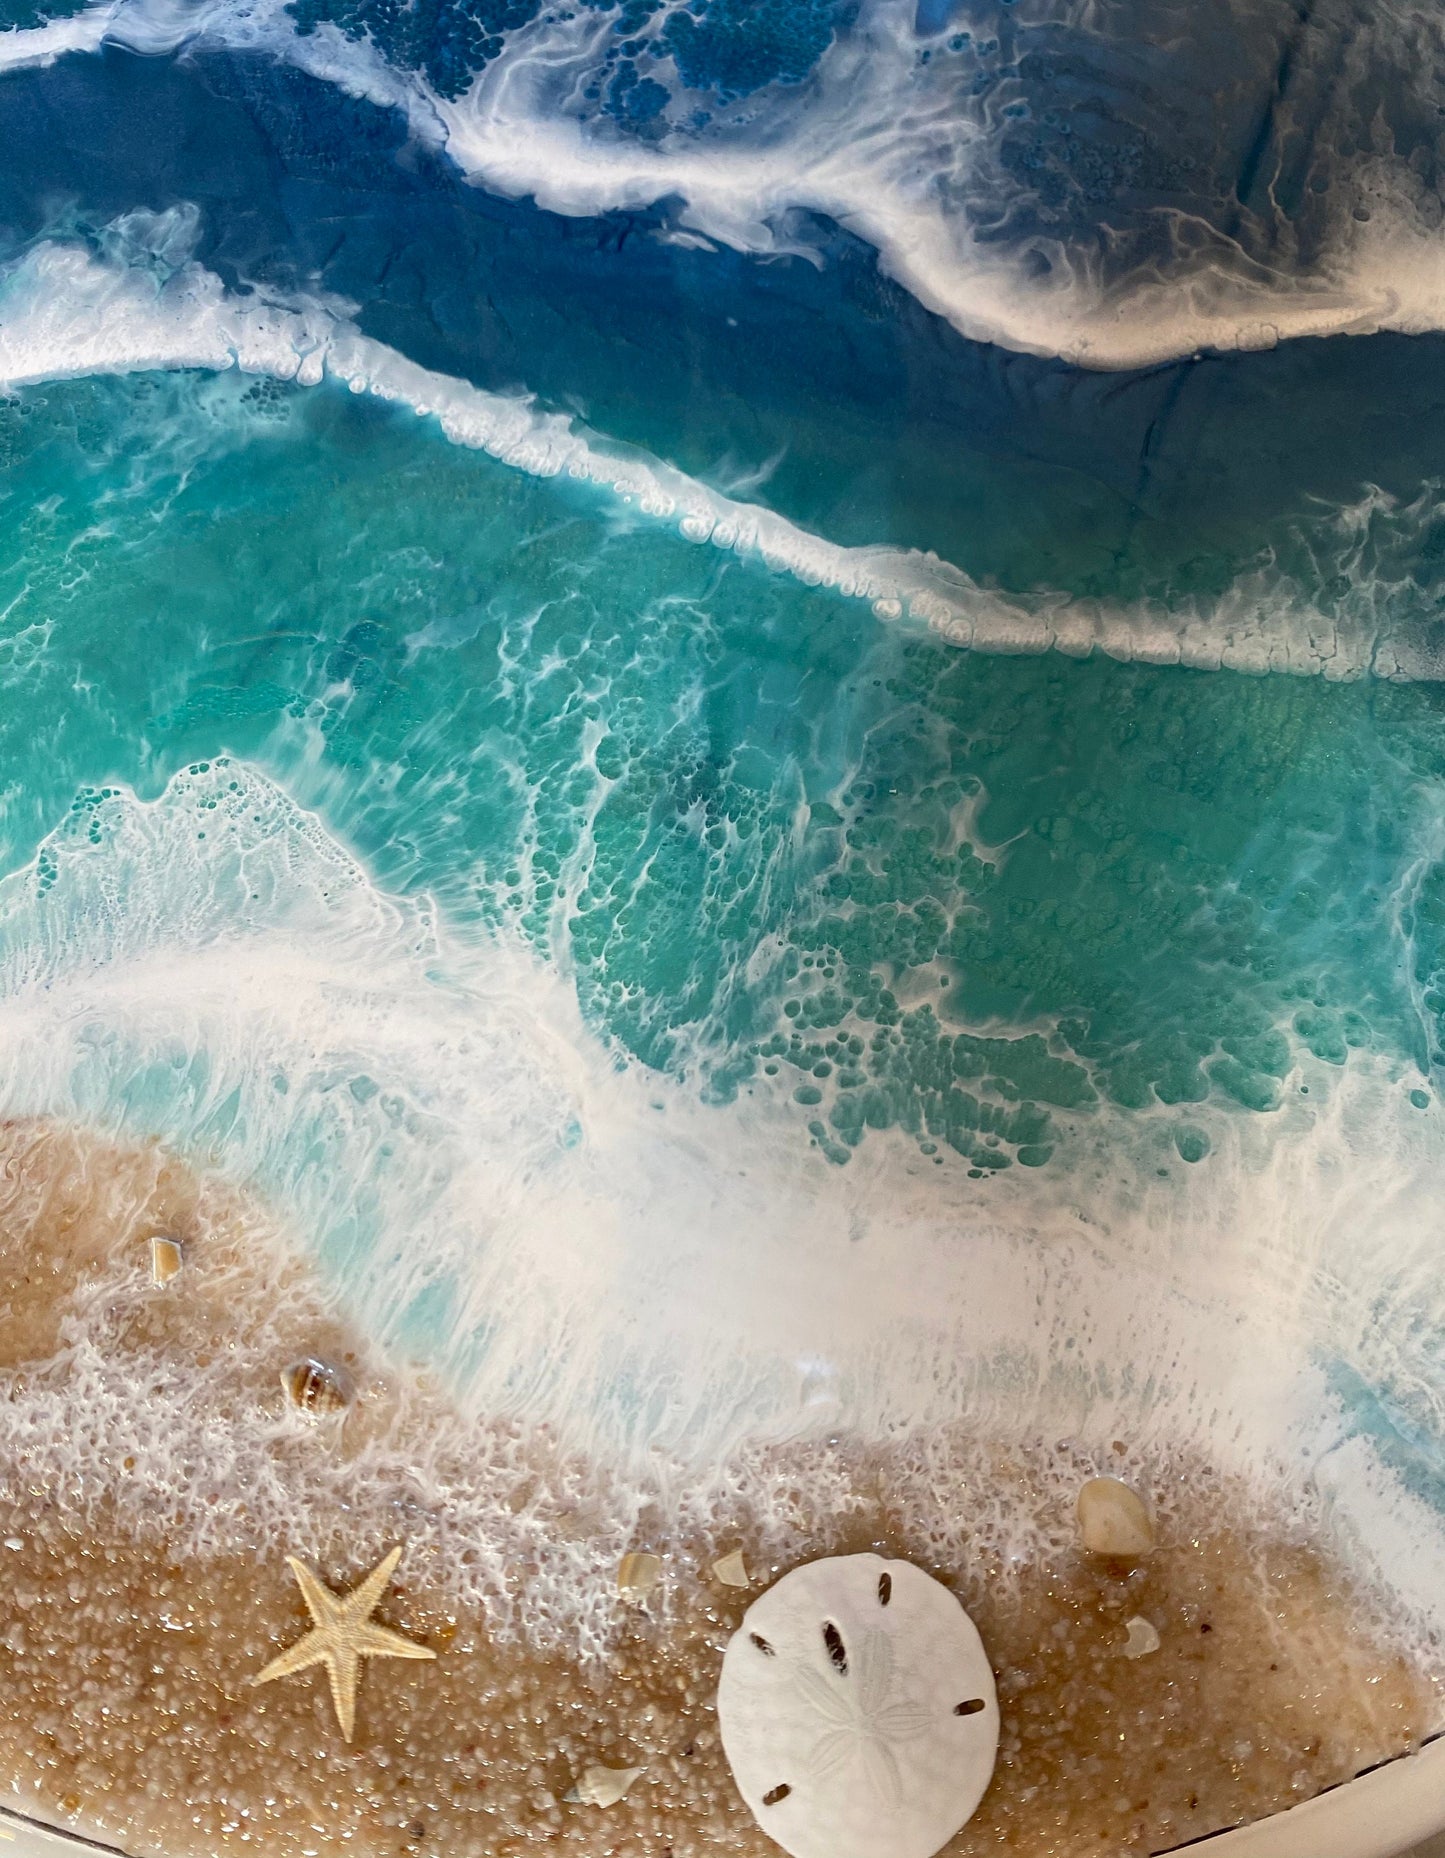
154 1482
66 312
581 1241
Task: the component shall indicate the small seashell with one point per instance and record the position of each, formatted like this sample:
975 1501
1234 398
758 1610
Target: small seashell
732 1570
315 1387
1113 1520
601 1786
637 1574
166 1260
1143 1638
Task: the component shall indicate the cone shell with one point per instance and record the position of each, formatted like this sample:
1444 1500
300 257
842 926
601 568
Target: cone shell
315 1387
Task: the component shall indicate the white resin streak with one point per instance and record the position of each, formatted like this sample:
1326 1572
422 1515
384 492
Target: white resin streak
64 314
873 142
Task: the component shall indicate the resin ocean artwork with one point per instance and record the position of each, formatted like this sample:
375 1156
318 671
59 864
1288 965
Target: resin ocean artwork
722 921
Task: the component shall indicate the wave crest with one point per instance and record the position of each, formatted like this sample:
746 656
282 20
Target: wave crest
134 302
1110 183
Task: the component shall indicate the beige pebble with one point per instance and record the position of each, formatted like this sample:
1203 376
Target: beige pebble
603 1786
732 1570
637 1574
1143 1637
166 1260
1113 1520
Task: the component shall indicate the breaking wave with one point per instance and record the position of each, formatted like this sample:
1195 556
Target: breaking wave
579 1240
1109 183
136 302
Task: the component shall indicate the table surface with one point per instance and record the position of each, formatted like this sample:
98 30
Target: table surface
19 1839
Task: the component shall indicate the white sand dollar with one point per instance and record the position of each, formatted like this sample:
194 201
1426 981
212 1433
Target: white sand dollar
858 1711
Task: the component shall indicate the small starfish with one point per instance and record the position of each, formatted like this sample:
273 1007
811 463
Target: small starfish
343 1635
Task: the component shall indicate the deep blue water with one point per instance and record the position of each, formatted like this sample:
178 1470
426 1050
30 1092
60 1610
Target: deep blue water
873 419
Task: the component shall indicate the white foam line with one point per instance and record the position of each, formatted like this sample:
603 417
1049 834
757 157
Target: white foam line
42 45
65 314
741 197
880 146
151 27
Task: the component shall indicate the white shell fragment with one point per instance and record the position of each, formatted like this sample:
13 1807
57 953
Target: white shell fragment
1143 1637
857 1711
1113 1520
602 1786
166 1260
731 1570
637 1574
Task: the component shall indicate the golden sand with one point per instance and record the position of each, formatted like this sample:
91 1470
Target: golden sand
137 1607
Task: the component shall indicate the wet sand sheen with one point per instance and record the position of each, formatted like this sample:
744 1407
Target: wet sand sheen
153 1477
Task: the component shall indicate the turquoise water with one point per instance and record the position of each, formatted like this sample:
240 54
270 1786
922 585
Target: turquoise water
590 893
762 834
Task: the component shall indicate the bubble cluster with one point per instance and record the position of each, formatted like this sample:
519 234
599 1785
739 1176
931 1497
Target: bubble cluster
776 845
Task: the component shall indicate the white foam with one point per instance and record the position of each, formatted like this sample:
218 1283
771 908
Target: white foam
65 313
42 45
601 1253
890 150
151 27
894 152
